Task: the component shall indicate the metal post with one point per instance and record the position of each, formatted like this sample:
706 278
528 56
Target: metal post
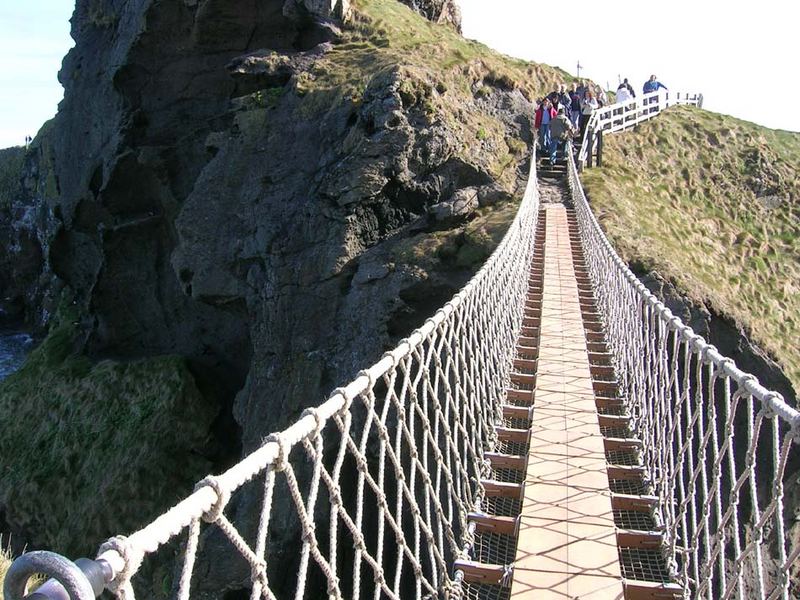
82 580
599 148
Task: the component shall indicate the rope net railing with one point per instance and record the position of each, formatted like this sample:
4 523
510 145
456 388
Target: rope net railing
367 495
718 446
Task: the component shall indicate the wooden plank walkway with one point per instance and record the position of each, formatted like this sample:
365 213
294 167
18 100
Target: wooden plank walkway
567 545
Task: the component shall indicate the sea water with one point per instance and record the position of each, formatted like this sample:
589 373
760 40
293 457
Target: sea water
14 347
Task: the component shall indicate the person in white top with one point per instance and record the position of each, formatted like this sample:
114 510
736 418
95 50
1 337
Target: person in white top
623 95
588 106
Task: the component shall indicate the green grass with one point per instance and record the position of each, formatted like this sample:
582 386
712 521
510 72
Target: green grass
93 449
466 246
6 560
713 204
385 34
11 160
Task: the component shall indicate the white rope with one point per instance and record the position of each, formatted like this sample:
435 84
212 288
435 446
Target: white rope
716 442
409 432
379 479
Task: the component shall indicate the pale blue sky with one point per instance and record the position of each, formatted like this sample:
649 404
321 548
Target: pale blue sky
34 37
741 56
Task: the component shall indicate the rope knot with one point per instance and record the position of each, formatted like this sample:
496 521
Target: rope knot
370 378
696 342
281 461
223 496
390 354
348 399
705 349
361 464
333 587
318 423
795 429
769 407
258 571
121 584
745 383
726 365
309 533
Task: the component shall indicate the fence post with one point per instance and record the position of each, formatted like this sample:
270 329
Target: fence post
600 148
589 144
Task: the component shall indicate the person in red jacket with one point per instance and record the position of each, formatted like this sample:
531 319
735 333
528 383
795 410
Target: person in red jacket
544 114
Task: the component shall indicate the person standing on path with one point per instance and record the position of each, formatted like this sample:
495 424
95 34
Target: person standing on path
575 108
561 130
544 114
587 109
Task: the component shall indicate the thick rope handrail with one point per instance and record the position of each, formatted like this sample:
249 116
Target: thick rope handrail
716 443
440 398
391 462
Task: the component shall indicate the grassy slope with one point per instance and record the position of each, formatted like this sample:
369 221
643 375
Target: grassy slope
712 203
445 73
90 449
386 33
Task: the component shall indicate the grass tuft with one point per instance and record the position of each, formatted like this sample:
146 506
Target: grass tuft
90 449
713 204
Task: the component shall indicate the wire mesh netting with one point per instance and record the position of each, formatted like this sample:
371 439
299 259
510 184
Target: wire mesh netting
502 506
644 565
494 548
634 519
477 591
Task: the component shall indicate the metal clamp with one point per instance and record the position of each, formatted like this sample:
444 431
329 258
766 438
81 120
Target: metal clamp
83 579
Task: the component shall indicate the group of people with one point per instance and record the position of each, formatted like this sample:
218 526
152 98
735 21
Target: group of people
563 114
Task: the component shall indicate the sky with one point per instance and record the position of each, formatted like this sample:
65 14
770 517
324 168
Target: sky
34 37
741 56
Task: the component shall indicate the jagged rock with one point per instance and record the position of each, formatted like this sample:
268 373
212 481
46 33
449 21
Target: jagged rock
491 194
438 11
459 206
325 9
199 201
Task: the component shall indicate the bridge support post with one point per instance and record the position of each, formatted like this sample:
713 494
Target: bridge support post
589 147
599 148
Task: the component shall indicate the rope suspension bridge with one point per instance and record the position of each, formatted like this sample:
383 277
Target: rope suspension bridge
553 431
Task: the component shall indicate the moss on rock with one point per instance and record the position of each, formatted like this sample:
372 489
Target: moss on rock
89 450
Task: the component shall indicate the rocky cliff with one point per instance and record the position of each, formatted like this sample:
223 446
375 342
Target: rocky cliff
239 204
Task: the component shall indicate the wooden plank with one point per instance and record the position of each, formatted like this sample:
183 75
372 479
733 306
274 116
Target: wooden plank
517 436
480 573
494 524
502 489
647 590
647 540
629 502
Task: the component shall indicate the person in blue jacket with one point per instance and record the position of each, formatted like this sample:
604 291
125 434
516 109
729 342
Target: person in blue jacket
653 85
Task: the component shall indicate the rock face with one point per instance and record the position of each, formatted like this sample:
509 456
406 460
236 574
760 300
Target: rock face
438 11
197 196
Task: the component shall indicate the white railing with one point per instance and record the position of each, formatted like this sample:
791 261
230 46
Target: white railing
624 115
367 495
718 446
